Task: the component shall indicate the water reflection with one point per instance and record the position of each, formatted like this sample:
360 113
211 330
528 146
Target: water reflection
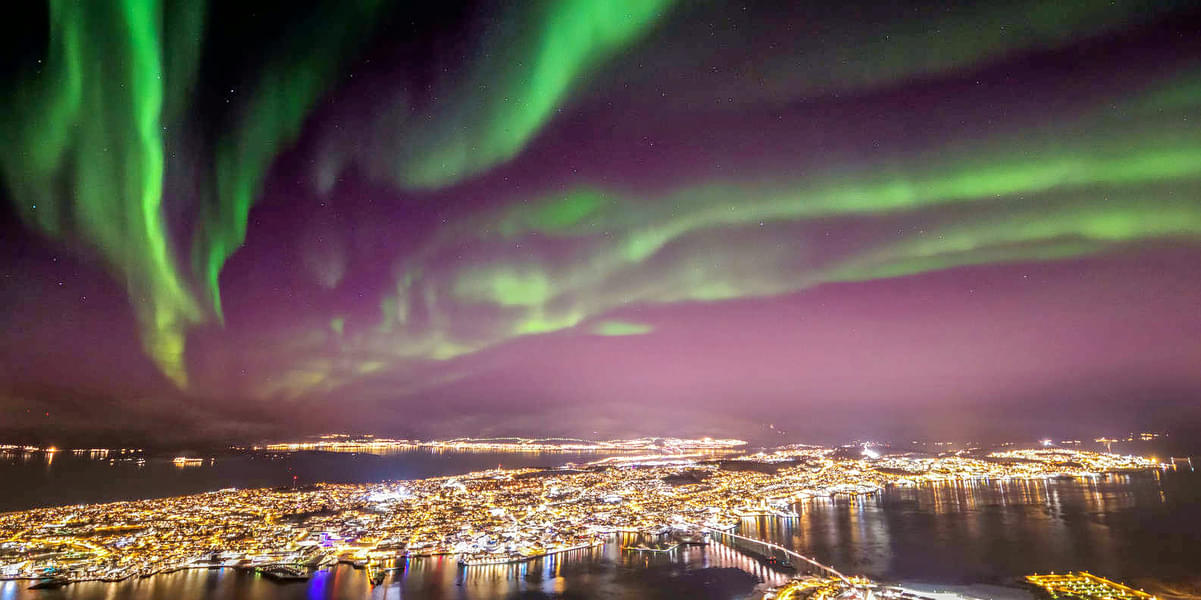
993 531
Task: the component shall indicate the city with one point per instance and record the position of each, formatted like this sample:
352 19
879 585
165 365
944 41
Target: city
489 517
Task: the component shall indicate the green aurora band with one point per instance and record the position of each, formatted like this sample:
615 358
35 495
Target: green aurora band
521 80
1031 198
619 328
87 140
516 88
92 121
295 76
529 61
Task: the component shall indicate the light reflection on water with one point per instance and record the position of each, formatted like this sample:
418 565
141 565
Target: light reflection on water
601 572
995 531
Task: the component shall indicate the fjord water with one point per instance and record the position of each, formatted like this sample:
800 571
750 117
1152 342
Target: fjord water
35 480
1143 528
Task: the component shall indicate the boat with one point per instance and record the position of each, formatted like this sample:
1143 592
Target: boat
653 547
50 583
692 538
491 559
778 564
472 560
283 574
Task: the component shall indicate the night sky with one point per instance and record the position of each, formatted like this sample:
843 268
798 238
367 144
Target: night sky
794 220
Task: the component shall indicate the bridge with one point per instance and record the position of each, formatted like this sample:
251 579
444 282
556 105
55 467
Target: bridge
824 570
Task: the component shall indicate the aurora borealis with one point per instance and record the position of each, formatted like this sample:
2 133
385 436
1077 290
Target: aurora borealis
495 211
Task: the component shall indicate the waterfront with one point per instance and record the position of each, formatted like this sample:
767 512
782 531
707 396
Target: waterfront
605 572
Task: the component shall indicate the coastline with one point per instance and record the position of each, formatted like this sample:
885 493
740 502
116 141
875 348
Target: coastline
856 484
522 559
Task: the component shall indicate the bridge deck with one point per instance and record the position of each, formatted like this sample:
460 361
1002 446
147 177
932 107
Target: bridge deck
824 569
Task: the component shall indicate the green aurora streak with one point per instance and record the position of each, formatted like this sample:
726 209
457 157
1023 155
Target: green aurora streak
516 88
302 68
1031 198
116 76
619 328
92 122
